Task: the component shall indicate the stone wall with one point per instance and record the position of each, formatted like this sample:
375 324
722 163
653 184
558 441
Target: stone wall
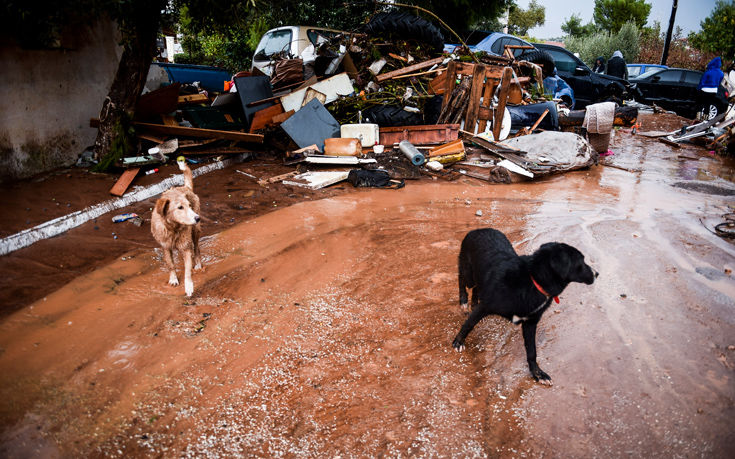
48 96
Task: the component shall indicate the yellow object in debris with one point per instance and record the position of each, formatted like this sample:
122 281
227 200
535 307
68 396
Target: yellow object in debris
447 159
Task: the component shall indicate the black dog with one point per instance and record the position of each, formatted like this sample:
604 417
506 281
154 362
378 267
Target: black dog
519 288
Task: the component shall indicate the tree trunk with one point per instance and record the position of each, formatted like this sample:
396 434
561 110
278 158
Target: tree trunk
139 25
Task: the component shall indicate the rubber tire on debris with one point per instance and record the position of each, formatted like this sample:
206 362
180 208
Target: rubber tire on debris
391 115
401 24
540 57
432 109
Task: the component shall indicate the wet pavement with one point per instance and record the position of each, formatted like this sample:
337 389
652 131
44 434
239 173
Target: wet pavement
324 329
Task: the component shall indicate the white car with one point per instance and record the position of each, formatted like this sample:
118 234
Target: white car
290 40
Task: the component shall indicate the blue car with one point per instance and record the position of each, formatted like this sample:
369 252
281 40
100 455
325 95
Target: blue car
639 69
491 43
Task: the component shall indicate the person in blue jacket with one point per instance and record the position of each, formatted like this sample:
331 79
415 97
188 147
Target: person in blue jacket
708 84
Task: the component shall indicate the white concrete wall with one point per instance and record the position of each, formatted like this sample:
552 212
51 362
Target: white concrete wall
48 96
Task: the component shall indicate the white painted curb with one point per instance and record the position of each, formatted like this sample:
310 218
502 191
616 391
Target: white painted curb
64 223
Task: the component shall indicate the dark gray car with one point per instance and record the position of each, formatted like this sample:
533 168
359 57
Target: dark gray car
589 87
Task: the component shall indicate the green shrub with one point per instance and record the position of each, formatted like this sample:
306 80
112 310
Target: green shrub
627 41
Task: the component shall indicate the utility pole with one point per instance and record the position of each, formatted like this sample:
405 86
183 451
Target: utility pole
667 42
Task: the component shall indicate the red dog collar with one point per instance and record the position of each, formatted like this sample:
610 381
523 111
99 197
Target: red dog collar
543 292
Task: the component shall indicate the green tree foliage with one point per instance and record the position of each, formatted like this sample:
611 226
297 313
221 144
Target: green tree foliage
610 15
574 28
605 44
520 20
718 31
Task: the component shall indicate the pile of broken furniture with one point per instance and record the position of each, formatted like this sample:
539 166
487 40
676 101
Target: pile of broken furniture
372 102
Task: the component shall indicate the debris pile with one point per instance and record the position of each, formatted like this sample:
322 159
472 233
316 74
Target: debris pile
377 100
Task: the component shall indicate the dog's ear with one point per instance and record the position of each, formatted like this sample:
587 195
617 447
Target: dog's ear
192 198
561 262
162 206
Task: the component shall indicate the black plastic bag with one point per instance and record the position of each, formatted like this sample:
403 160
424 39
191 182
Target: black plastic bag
373 179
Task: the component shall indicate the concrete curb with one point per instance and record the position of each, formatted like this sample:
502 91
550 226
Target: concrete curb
64 223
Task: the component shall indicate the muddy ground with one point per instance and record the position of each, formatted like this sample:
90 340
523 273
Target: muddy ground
322 322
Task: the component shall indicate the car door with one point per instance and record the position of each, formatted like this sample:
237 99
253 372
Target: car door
689 89
662 88
579 80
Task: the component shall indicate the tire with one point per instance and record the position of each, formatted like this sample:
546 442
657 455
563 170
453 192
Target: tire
391 115
432 109
405 25
708 111
542 58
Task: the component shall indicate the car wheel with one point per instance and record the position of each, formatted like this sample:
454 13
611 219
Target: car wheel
405 25
708 112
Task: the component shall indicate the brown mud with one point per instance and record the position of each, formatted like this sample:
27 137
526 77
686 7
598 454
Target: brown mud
323 328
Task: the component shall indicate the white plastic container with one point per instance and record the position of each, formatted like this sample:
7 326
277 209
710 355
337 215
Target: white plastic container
368 133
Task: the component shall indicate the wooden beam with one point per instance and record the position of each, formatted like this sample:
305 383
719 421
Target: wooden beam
264 117
538 121
411 68
169 120
122 184
490 86
478 84
450 82
193 99
200 133
502 98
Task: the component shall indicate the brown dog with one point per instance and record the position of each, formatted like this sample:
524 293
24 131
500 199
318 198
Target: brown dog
175 225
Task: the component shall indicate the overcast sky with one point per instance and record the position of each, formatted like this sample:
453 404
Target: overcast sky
689 14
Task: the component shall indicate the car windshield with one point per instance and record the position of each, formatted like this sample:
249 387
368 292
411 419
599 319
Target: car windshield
273 42
634 70
648 73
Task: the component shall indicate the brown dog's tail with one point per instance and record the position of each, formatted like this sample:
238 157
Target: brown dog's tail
188 177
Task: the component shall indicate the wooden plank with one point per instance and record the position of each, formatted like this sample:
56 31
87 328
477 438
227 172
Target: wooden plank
218 151
490 86
502 98
396 56
201 133
669 142
264 117
277 178
449 148
193 99
411 68
122 184
411 75
419 135
439 83
278 119
151 137
169 120
478 84
451 82
540 118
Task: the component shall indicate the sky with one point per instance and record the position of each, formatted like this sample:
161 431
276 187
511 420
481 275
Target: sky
689 14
